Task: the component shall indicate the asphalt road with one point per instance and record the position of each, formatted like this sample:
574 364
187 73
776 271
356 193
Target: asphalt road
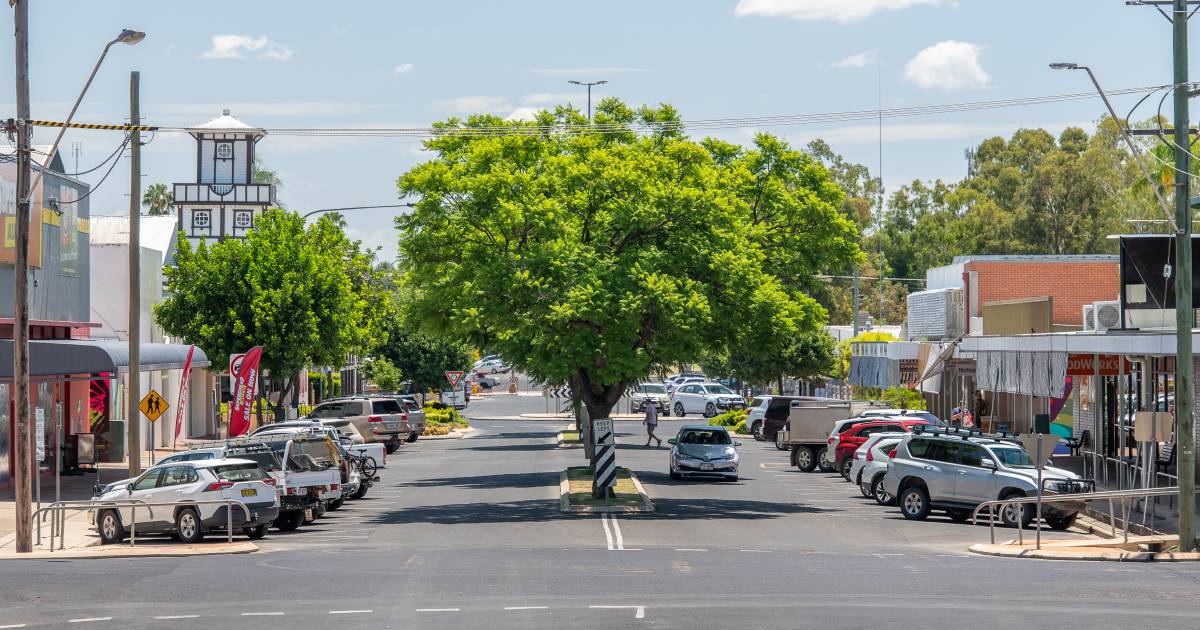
467 533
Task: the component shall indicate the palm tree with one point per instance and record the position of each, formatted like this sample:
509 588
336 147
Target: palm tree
158 199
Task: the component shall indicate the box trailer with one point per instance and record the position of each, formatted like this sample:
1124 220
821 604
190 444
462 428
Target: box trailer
809 424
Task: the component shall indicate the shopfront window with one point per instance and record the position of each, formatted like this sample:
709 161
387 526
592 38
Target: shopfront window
5 441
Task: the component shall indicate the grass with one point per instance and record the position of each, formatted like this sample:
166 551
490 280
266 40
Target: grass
570 436
580 480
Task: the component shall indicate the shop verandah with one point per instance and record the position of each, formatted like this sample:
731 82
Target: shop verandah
1109 397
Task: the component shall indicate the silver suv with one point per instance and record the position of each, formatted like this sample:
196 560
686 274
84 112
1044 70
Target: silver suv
378 418
955 471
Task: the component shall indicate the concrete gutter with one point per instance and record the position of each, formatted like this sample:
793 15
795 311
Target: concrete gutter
564 500
145 550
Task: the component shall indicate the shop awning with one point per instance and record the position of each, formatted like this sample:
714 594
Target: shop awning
61 358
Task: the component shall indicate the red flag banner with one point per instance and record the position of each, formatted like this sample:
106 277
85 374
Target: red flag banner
244 369
183 391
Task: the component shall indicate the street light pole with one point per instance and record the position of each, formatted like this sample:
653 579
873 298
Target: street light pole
133 391
589 85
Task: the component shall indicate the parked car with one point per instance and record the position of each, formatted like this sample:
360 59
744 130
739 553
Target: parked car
485 382
709 399
344 426
703 450
850 439
457 398
378 418
911 413
180 482
651 394
675 382
954 472
339 430
870 465
192 455
308 475
492 364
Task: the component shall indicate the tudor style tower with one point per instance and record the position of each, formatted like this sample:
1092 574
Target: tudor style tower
225 201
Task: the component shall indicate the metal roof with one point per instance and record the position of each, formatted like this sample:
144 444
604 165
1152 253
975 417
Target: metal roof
1038 258
49 358
226 122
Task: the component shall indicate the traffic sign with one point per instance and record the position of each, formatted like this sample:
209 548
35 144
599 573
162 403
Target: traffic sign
40 431
605 475
455 378
153 405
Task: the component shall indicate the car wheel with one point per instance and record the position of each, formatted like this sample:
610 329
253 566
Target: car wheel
803 459
110 528
674 475
289 520
666 412
256 532
1060 523
391 447
864 488
679 410
846 466
756 430
335 505
914 503
1012 514
880 495
823 461
732 478
779 441
959 515
710 410
187 526
412 437
361 492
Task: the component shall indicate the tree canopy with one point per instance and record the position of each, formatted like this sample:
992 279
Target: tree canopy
300 292
592 258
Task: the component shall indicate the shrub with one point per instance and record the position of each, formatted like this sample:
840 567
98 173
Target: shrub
437 413
729 418
741 428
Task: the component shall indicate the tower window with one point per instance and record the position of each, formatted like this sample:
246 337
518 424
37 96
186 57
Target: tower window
224 150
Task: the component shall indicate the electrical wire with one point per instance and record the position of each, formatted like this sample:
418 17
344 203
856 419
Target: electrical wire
120 148
95 187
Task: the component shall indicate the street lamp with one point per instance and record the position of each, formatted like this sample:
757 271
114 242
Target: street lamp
589 85
126 36
395 205
24 193
1122 128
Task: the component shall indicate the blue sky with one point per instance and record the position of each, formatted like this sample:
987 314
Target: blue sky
322 64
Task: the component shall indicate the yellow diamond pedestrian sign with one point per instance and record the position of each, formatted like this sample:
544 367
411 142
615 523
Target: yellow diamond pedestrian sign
153 405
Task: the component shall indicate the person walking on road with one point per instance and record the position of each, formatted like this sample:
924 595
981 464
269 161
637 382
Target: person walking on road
651 422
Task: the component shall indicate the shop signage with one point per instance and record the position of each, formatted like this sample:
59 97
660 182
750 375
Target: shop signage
244 370
1084 365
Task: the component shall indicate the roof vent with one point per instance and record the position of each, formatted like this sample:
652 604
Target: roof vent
224 112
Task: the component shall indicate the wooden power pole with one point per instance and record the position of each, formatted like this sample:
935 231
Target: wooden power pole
22 464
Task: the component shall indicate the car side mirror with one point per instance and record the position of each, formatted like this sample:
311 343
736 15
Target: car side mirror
129 487
672 441
989 464
737 443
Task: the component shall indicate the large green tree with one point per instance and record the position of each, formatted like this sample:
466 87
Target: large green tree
422 358
300 292
158 199
593 258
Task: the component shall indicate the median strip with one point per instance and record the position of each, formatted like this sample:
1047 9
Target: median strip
575 493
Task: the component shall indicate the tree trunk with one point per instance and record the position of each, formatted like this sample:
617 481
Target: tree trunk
780 384
598 402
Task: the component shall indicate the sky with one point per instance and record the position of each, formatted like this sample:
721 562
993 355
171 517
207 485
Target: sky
407 63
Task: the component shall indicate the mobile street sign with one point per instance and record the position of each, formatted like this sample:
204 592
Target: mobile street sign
153 406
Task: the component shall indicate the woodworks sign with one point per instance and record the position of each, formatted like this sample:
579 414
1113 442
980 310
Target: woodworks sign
1084 365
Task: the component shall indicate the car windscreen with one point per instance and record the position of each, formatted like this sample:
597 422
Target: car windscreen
652 388
717 389
239 472
701 436
386 406
267 460
1013 457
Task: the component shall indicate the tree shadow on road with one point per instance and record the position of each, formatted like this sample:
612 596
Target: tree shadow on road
488 482
527 435
511 447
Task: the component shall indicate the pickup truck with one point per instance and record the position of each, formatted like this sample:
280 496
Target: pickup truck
336 430
808 426
307 470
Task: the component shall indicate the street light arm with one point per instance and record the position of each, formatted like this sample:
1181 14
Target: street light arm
396 205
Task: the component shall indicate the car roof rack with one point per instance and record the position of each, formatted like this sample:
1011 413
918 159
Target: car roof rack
962 432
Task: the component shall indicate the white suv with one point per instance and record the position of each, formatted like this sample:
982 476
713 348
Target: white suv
180 482
709 399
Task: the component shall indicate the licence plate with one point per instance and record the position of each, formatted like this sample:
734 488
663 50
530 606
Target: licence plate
705 466
391 425
249 492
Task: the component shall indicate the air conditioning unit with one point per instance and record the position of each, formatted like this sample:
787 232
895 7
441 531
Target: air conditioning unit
1089 317
1107 315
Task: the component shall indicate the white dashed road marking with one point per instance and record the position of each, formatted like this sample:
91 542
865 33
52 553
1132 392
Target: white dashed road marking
350 612
15 625
639 614
169 617
526 607
87 619
437 610
262 614
690 549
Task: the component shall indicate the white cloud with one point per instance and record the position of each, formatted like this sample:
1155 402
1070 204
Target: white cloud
549 98
234 47
523 113
948 65
843 11
474 104
859 60
585 72
403 68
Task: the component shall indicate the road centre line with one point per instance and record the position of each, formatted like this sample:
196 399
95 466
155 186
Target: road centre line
756 551
690 549
639 614
350 612
607 534
437 610
15 625
526 607
87 619
262 614
169 617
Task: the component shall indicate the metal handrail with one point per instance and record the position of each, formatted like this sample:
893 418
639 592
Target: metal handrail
1085 497
56 513
58 524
